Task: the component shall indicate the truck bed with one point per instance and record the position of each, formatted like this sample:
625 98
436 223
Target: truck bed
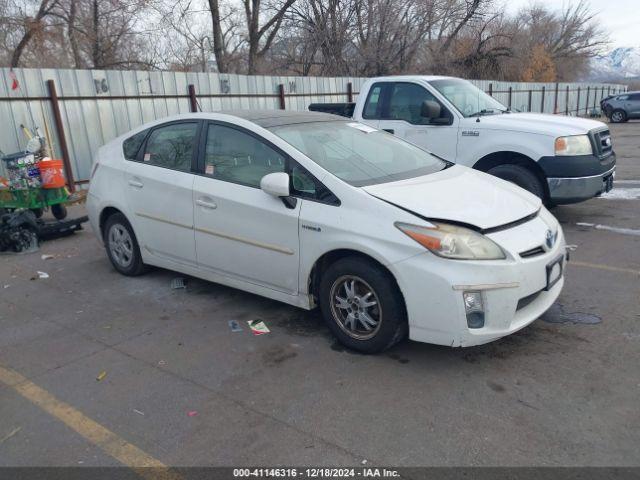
342 109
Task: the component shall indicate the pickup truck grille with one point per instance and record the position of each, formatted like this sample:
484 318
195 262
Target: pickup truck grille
601 142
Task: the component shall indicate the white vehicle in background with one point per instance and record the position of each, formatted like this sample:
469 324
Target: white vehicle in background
557 158
311 209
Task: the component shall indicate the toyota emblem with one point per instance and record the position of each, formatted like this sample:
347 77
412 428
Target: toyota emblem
550 239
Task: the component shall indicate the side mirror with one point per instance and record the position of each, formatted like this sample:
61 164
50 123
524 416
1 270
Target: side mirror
276 184
430 109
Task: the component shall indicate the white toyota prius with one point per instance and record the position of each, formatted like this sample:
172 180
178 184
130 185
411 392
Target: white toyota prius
315 210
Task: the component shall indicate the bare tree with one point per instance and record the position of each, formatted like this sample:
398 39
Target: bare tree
570 37
260 37
31 25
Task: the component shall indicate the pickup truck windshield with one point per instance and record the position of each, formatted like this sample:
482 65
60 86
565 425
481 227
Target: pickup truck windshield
358 154
467 98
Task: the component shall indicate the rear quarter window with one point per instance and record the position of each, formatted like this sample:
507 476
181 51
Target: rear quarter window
131 145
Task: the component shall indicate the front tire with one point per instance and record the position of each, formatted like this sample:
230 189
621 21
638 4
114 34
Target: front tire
122 246
521 176
618 116
362 305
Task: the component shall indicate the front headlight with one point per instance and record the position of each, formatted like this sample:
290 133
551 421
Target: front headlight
451 241
573 145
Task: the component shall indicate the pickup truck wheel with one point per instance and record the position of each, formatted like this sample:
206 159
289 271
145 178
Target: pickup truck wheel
362 305
618 116
521 176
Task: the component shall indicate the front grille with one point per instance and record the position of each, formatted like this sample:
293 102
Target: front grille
602 142
524 301
533 252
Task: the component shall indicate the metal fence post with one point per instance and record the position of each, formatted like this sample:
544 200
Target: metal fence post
193 101
281 96
578 103
586 104
491 89
555 100
350 92
566 108
57 117
510 94
542 101
529 108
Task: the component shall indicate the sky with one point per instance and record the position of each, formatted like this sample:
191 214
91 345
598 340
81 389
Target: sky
621 18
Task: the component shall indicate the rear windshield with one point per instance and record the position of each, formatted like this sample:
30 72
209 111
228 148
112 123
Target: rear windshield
358 154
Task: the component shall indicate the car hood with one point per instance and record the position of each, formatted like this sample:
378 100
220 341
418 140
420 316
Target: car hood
554 125
460 194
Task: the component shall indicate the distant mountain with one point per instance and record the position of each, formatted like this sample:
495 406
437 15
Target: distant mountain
622 63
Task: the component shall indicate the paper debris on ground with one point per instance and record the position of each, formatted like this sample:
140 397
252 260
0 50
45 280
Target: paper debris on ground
192 413
40 275
258 327
47 257
162 362
10 434
138 412
101 376
234 326
178 283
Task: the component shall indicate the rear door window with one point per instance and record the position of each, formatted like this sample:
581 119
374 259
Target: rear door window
171 146
131 146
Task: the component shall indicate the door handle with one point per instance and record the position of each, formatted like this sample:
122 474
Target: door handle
136 184
390 130
206 204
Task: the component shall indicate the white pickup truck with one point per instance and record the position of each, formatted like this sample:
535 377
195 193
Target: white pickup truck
561 159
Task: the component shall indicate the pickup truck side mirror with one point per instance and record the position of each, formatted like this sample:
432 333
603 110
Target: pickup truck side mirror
430 109
435 114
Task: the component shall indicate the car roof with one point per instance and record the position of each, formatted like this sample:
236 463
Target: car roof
275 118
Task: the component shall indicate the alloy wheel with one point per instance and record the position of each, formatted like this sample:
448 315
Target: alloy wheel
120 245
355 307
617 116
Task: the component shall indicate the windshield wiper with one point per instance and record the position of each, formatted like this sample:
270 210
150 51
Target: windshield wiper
485 111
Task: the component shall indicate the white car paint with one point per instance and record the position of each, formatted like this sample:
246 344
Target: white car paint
245 238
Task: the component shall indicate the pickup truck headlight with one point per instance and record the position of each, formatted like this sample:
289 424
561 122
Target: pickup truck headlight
451 241
573 145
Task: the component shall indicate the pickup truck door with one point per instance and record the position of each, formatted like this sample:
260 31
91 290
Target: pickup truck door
400 112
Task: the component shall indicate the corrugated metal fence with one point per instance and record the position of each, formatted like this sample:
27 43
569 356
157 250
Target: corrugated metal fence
95 106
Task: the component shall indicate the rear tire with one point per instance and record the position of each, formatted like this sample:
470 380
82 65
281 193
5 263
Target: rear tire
521 176
618 116
362 305
122 246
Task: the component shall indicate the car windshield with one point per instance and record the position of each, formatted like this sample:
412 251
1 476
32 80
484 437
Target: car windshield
358 154
467 98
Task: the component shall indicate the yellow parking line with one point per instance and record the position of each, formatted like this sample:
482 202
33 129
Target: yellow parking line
605 267
141 462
